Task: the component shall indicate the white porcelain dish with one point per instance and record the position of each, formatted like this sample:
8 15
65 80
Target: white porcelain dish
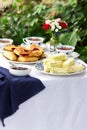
4 42
39 66
42 45
19 70
74 55
65 49
17 62
33 40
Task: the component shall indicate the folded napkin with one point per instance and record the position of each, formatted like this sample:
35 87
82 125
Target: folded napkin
14 90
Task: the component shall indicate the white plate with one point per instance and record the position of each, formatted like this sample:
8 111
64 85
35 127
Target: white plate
74 55
17 62
39 66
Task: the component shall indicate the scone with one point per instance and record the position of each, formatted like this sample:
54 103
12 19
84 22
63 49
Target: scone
9 47
37 53
27 59
43 55
10 55
34 46
20 50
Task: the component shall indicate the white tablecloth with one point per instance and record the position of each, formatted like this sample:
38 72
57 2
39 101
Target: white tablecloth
61 106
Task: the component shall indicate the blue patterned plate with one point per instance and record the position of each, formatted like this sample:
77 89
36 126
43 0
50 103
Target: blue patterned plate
39 66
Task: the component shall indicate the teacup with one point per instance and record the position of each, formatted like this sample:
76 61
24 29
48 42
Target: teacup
4 42
33 40
65 49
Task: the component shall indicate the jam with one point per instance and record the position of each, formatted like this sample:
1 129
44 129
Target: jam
19 68
35 49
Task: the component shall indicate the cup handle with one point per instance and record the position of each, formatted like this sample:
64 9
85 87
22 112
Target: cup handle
24 40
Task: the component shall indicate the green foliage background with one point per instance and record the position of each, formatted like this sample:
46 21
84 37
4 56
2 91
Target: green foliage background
25 18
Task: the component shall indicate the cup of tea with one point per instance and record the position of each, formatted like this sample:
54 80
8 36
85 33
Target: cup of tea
4 42
33 40
65 49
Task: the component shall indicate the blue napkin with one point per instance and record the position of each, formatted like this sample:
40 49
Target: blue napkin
14 90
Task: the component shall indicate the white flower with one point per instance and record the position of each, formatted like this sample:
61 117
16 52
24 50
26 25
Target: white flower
59 27
47 21
53 24
52 27
56 30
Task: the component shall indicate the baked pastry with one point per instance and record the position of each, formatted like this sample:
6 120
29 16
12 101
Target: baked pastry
27 59
10 55
43 56
36 52
34 46
9 47
20 50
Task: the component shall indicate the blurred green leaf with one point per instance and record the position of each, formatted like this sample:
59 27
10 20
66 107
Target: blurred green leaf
69 38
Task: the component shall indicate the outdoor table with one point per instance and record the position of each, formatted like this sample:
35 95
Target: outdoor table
62 105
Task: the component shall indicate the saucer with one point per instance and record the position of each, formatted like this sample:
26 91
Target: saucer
74 55
42 45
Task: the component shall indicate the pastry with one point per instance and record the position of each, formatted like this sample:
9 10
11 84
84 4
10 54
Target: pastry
34 46
9 47
20 50
27 59
10 55
43 56
36 52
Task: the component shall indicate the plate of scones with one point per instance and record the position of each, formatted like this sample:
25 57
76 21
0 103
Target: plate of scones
60 64
23 55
